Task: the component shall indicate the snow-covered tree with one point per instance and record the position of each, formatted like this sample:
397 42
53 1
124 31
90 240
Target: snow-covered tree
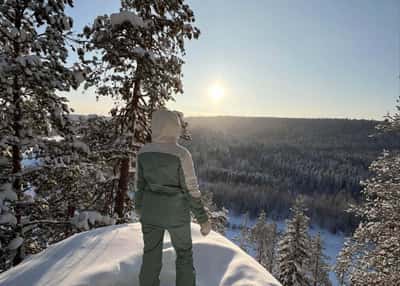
218 217
319 268
244 237
33 53
373 252
391 122
265 237
294 248
136 58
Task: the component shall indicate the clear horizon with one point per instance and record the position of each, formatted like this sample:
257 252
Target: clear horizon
289 59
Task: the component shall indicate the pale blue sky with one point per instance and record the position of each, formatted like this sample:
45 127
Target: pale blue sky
286 58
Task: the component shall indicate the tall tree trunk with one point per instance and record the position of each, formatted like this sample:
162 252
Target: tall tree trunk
17 165
122 187
123 183
16 148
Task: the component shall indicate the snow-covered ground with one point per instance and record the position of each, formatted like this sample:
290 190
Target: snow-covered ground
112 256
333 243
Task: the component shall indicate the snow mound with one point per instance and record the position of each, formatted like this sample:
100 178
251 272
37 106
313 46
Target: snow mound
112 256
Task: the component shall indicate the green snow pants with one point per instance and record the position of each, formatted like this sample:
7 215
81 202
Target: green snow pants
181 240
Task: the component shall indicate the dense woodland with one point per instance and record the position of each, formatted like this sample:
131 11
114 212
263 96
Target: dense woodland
254 164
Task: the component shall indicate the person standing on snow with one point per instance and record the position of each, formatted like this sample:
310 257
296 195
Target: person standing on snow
166 192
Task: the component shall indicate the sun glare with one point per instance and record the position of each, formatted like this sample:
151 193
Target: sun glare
216 92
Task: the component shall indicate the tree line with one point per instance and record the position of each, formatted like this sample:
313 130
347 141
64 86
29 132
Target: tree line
254 164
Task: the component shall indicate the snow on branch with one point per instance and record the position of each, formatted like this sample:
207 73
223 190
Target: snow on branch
85 219
127 16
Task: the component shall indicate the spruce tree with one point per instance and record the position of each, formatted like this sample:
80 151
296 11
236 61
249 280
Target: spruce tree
373 252
265 236
244 237
319 268
294 248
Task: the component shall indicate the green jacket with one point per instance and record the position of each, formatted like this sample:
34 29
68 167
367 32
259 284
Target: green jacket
166 184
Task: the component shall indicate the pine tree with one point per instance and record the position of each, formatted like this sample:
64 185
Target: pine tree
294 248
33 54
319 268
258 236
265 238
137 60
373 252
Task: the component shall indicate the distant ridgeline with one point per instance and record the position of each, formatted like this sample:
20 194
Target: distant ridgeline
263 163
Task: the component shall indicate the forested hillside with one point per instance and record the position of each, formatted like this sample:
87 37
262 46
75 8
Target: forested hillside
252 164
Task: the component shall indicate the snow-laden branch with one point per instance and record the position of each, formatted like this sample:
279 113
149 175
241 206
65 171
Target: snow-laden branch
127 16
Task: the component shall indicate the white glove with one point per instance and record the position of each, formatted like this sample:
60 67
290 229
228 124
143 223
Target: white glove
205 228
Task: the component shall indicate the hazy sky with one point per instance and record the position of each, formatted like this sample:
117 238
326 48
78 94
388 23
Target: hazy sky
286 58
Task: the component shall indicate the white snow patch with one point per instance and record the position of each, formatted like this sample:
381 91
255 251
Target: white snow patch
113 255
84 219
56 138
127 16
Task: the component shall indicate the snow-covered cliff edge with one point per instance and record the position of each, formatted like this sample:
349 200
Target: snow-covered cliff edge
112 256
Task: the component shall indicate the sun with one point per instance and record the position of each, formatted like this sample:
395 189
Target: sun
216 92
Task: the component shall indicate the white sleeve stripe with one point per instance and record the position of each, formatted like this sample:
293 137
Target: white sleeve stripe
189 174
135 189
